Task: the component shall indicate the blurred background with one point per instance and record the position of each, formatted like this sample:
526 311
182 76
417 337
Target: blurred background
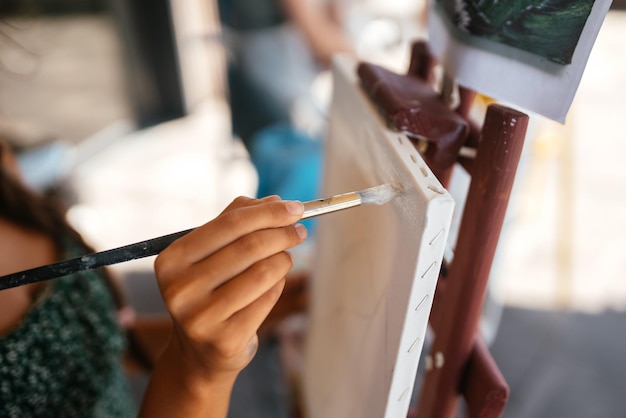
129 110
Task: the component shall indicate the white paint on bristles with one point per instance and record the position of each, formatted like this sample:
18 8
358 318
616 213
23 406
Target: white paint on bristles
378 195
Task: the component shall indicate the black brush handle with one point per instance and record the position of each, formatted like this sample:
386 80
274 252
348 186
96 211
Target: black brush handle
91 261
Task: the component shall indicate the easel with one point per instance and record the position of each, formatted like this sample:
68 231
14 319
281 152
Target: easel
461 364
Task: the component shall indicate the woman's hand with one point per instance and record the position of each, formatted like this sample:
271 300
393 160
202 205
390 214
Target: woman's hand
219 283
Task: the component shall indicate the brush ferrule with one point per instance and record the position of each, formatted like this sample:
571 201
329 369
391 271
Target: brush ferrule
331 204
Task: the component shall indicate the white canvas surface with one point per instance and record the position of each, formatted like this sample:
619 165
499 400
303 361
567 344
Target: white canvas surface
376 267
512 75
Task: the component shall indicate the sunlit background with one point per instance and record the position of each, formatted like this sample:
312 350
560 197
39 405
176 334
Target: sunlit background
136 135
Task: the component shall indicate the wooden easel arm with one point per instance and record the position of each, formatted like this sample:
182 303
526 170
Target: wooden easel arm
484 388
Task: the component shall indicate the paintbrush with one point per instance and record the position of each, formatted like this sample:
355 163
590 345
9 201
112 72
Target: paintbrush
374 195
377 195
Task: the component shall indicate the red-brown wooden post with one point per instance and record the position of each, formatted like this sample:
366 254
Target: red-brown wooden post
455 323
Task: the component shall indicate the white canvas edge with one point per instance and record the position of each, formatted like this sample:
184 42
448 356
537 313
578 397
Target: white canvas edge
437 218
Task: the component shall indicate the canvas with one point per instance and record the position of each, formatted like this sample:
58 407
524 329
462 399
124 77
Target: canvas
376 267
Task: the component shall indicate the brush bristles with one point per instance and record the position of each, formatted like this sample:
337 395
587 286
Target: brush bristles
378 195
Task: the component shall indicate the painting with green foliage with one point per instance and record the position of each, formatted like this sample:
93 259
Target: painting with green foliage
549 28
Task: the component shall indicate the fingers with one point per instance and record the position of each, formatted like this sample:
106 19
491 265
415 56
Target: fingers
250 262
249 319
231 343
243 201
235 295
245 218
237 257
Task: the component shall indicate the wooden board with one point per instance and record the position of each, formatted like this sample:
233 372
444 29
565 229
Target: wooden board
376 267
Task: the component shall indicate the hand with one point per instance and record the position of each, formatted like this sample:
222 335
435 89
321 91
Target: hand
220 281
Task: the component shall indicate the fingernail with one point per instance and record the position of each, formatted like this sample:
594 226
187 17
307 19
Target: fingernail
294 207
301 230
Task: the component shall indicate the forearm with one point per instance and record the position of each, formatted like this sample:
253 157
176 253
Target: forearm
174 391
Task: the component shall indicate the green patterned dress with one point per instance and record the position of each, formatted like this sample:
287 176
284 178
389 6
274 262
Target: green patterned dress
64 359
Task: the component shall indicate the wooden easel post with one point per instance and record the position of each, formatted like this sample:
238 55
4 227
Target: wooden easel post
462 363
456 314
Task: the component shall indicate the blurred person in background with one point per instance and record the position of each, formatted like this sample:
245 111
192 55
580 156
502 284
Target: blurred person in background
278 51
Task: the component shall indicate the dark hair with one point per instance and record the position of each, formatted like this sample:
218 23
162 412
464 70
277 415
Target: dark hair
46 215
43 214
